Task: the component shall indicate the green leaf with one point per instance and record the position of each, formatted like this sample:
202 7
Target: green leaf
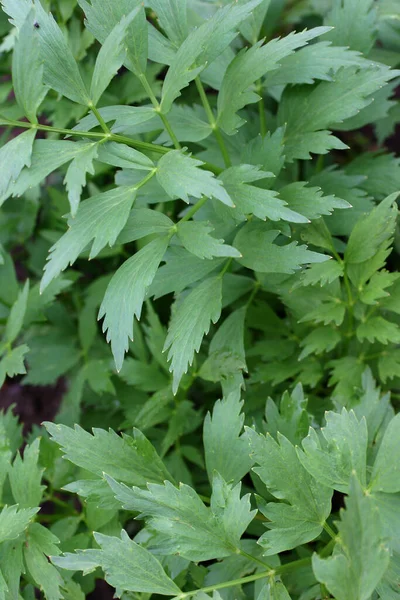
14 521
308 111
101 18
249 66
172 17
225 447
111 56
307 503
267 152
256 243
51 355
125 295
195 237
14 156
318 341
132 460
378 329
316 61
190 322
377 227
361 558
25 477
61 71
338 451
354 24
251 27
389 365
201 47
127 565
253 200
184 523
12 363
376 287
143 222
180 176
121 155
310 201
27 69
100 219
75 177
381 173
291 419
41 543
321 273
17 314
18 10
385 476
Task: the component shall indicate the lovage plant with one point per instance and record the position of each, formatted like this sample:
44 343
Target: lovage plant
197 203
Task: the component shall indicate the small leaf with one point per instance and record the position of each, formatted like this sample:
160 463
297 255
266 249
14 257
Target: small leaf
13 521
14 156
25 477
75 177
196 238
17 314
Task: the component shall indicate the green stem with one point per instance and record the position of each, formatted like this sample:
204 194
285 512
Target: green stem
100 119
98 135
146 85
226 267
255 559
350 299
261 110
213 122
193 210
329 531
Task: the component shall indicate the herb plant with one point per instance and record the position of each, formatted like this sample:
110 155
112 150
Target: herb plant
199 230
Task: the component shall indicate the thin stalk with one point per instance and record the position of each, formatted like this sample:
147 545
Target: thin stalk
213 122
329 531
100 119
157 107
255 559
350 299
194 209
98 135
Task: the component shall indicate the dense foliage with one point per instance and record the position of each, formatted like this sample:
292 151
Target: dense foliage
199 235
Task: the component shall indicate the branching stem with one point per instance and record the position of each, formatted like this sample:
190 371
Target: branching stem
213 122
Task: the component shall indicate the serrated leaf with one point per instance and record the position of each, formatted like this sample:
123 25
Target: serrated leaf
111 56
201 47
249 66
251 27
225 446
100 219
377 227
331 311
14 521
18 10
14 156
132 460
338 451
60 70
27 69
354 24
40 544
385 476
362 557
253 200
381 173
75 177
321 339
376 287
127 565
259 252
190 322
389 365
378 329
267 151
25 477
12 363
184 523
322 273
172 17
121 155
195 237
143 222
307 503
17 314
310 201
125 295
291 419
180 177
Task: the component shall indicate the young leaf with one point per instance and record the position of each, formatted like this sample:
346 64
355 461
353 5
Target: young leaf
125 295
249 66
27 69
338 452
190 321
100 219
362 558
226 448
195 237
14 156
25 477
307 503
61 71
13 363
180 176
14 521
111 56
256 243
132 460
